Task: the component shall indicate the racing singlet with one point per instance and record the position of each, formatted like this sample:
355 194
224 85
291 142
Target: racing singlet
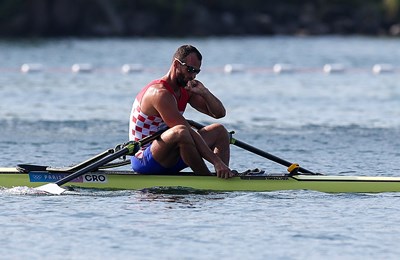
142 125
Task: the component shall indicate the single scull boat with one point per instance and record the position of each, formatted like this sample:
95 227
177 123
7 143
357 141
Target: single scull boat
92 173
127 180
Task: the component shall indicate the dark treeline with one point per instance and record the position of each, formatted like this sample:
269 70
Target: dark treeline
177 18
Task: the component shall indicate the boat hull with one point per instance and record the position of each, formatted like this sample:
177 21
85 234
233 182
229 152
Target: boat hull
126 180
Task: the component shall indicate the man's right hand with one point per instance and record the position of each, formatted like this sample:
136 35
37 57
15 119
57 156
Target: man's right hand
223 171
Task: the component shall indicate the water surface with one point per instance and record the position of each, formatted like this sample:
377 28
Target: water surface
346 123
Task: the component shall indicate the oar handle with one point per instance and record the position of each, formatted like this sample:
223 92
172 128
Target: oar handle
255 150
152 137
195 124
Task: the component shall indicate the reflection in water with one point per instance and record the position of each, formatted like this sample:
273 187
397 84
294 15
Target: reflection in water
187 197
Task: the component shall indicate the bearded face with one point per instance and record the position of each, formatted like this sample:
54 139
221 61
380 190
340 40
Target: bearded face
181 81
187 70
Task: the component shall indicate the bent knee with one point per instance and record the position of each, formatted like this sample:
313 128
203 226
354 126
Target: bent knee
220 129
180 132
214 132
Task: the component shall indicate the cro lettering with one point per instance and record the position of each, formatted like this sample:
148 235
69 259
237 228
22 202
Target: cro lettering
95 178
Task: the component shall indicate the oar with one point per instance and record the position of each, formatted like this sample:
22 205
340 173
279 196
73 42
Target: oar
34 167
256 150
129 149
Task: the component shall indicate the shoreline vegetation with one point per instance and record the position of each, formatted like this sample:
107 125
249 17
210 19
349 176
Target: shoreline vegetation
190 18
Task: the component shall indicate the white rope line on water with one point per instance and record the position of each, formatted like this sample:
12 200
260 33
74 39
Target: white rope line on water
279 68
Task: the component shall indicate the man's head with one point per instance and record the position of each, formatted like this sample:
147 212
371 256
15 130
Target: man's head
187 61
183 51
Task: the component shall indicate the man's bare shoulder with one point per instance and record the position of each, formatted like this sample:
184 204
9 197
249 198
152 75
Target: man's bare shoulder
157 94
157 89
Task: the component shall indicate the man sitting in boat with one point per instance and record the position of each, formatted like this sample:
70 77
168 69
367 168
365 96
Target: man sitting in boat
161 104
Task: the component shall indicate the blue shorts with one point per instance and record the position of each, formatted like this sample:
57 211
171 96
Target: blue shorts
147 164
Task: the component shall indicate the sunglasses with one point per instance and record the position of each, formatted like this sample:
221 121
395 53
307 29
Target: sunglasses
190 69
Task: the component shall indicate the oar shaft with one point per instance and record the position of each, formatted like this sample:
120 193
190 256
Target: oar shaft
266 155
255 150
93 166
128 149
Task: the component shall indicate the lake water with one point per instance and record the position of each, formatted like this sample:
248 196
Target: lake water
340 123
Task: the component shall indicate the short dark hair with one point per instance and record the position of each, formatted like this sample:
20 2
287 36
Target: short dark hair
183 51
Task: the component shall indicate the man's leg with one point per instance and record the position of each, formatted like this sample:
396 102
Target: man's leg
177 141
217 138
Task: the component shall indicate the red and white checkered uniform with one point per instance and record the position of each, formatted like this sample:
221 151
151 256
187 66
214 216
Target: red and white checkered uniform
142 125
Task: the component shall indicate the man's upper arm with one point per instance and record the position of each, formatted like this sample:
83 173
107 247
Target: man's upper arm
166 106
